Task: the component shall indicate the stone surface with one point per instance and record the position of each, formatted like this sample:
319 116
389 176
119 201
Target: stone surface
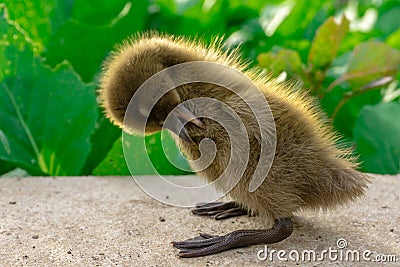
109 221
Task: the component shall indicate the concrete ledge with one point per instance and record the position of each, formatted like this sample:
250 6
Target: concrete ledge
109 221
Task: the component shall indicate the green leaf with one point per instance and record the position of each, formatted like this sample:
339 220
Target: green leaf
114 163
284 60
77 32
251 4
102 140
394 40
388 19
191 18
272 16
158 146
47 115
85 46
370 61
326 43
5 167
377 134
38 18
302 15
346 117
105 12
156 150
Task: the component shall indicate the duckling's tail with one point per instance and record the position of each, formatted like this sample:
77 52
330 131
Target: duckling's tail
346 185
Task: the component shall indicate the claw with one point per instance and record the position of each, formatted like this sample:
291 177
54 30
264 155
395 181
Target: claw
230 213
219 210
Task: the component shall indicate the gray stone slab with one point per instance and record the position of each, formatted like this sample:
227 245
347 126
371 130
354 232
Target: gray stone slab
109 221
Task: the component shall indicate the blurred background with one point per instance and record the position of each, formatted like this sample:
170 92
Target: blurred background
346 53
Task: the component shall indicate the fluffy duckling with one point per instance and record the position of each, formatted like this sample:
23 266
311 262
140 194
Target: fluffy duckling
308 170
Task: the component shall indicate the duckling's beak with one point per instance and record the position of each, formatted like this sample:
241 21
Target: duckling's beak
179 117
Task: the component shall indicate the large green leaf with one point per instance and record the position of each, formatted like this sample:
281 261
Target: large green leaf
273 15
394 39
370 61
5 167
158 147
156 150
301 16
47 115
326 43
377 134
38 18
388 19
102 141
76 31
191 18
114 163
105 12
85 46
284 60
346 117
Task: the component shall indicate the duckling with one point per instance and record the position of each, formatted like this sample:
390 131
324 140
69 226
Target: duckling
308 170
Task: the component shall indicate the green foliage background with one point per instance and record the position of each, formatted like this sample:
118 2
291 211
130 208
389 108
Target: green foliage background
51 51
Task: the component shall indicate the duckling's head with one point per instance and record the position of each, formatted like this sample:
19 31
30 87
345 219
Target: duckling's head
123 74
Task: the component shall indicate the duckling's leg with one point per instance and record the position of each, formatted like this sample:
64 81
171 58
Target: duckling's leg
219 210
210 244
207 244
